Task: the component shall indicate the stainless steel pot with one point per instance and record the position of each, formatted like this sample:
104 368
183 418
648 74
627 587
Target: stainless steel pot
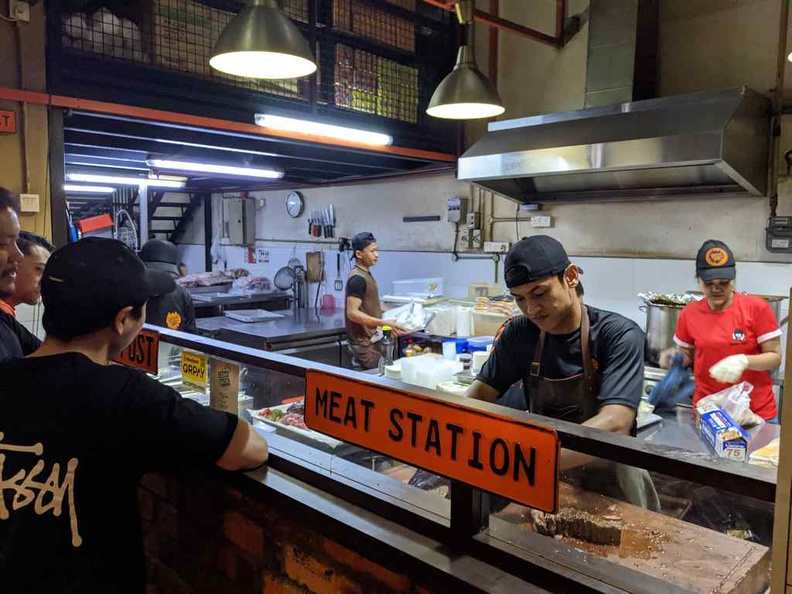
661 321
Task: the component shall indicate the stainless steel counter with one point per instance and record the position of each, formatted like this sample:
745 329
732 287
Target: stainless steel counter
300 326
678 429
214 303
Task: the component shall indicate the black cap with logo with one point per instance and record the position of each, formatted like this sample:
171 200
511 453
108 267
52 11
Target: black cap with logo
715 261
534 258
91 280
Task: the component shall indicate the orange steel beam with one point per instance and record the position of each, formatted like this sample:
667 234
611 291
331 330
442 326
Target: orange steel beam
172 117
512 27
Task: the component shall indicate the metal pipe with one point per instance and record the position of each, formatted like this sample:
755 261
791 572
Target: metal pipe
492 67
560 19
143 196
778 107
506 25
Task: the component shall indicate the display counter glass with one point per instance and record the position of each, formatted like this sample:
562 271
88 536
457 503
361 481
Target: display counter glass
636 515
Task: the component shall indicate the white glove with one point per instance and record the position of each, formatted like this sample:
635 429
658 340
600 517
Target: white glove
730 369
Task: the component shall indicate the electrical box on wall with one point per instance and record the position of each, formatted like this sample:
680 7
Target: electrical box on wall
779 235
29 202
456 209
239 221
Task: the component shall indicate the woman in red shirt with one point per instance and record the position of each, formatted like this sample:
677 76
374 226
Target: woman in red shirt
729 337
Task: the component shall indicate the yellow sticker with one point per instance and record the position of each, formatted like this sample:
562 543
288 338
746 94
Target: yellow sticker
194 369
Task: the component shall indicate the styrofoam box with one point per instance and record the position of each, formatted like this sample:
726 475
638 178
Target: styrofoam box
428 370
418 287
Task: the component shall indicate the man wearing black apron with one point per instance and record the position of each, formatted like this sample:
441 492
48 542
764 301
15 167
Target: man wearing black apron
577 363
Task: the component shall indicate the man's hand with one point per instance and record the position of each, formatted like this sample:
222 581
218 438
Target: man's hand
398 330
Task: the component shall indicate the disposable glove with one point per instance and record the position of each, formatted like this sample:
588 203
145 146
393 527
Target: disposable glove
730 369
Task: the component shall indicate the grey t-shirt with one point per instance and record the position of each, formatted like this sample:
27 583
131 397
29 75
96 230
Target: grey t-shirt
617 346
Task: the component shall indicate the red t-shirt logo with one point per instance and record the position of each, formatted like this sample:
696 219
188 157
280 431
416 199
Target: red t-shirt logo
738 335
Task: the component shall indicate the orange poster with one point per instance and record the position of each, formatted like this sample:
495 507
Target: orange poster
7 121
142 353
505 456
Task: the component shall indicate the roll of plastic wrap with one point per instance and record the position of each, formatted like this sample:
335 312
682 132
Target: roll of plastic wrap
464 320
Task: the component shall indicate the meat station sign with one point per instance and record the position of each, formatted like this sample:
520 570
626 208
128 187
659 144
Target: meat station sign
505 456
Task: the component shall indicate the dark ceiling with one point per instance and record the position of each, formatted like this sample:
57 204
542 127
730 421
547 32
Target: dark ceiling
116 145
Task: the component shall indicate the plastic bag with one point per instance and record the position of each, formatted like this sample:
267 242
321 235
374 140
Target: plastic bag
736 402
411 317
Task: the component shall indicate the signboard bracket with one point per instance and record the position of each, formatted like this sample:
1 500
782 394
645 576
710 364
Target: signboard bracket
469 510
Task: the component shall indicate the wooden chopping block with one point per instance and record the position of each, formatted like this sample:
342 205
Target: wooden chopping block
683 554
313 267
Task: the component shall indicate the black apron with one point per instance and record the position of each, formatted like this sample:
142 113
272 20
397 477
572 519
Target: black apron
575 399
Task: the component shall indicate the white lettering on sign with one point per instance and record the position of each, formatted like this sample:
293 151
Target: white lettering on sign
47 495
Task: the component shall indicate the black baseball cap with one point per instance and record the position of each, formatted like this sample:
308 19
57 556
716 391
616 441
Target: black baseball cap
534 258
362 240
162 255
715 261
91 280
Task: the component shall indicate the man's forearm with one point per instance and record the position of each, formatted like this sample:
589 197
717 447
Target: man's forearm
358 317
607 420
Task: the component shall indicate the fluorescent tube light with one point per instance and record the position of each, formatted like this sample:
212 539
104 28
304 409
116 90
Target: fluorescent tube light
322 130
213 168
126 181
88 189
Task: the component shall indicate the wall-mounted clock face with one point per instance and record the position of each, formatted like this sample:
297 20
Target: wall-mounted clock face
295 203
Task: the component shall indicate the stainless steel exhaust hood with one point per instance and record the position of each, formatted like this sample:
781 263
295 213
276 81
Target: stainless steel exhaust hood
711 143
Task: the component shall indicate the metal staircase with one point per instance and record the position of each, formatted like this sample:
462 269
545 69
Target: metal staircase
170 214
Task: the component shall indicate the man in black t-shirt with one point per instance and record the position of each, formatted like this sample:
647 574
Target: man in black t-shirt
15 339
362 307
577 363
77 433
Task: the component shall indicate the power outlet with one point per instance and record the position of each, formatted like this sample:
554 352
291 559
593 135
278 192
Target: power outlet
541 221
30 202
19 11
496 247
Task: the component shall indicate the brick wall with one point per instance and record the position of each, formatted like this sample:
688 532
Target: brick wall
201 536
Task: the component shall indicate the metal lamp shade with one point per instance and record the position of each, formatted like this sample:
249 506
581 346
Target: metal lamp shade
465 94
261 42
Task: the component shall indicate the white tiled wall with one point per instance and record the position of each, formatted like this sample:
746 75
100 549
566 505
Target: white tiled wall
30 318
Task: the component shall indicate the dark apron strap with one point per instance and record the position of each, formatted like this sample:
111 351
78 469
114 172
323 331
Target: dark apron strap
588 367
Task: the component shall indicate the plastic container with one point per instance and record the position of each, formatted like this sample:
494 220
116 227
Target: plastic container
487 324
450 350
429 370
418 287
464 322
479 358
479 343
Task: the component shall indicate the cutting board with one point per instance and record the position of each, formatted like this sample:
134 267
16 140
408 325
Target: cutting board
683 554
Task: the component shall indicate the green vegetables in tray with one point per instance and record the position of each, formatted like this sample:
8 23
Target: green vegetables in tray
272 414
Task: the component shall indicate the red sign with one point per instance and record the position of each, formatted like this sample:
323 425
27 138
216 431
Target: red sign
142 353
8 121
512 458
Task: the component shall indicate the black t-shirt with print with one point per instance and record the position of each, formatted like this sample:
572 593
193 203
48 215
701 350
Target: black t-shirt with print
87 433
15 339
617 345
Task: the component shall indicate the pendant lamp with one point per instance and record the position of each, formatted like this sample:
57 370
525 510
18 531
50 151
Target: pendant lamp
465 94
261 42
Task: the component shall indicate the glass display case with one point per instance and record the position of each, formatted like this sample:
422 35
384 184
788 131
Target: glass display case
632 515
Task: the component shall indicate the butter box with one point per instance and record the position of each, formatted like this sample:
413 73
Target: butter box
726 437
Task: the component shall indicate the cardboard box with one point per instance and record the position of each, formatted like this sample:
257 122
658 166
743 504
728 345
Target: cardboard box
724 435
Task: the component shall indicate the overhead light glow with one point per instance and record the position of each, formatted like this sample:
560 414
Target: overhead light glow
465 111
88 189
275 122
265 65
213 168
126 181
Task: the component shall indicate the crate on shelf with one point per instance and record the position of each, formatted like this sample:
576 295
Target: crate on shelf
371 84
377 24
